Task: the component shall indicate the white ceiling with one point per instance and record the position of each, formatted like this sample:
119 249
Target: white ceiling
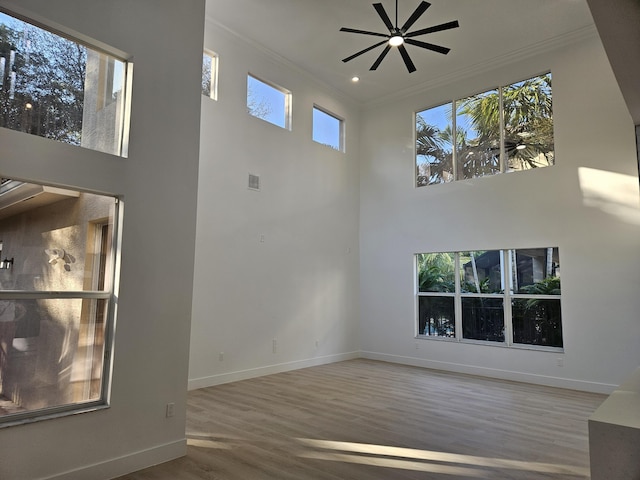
306 33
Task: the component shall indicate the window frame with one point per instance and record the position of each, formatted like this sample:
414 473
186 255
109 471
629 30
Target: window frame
507 296
108 294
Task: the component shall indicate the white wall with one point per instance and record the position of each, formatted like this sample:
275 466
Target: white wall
300 286
587 205
158 183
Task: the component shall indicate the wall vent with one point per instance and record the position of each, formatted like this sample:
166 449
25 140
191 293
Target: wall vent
254 182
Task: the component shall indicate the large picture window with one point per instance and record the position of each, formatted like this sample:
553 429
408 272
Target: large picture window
60 89
509 297
500 130
56 298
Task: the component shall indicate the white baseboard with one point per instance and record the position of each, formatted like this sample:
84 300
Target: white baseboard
125 464
268 370
535 379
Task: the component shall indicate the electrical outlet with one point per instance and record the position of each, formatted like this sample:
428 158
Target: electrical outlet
170 412
275 346
417 346
221 356
560 362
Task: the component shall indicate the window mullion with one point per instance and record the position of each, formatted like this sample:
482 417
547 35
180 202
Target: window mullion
508 317
458 301
503 153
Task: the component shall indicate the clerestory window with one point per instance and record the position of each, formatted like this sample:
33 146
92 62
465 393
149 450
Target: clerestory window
500 130
269 102
58 88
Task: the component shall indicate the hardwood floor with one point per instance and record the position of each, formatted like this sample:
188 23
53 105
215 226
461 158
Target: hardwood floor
364 419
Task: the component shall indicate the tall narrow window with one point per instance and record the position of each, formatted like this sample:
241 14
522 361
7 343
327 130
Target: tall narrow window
327 129
269 102
210 75
434 146
60 89
56 300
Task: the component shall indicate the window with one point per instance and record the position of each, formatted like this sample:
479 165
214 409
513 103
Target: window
509 297
210 75
60 89
327 129
501 130
56 299
269 102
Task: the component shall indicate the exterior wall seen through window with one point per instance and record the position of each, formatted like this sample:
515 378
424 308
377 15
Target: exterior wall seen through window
56 298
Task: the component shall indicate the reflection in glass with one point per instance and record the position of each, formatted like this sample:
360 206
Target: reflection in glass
478 135
436 316
537 322
434 146
483 319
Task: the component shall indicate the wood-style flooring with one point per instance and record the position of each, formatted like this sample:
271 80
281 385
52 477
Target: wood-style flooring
369 420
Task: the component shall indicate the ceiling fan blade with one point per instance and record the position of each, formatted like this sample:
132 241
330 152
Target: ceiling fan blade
407 60
428 46
364 32
436 28
383 15
381 57
415 16
363 51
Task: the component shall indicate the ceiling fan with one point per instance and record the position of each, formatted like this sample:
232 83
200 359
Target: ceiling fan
397 37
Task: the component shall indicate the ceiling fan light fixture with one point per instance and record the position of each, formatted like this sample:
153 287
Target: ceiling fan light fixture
396 41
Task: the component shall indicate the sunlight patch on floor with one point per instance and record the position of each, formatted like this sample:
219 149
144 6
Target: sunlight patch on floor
379 456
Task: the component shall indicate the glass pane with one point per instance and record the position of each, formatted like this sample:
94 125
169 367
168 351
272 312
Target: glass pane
434 146
478 135
481 271
436 272
537 271
56 88
209 75
483 319
51 353
326 129
267 102
436 316
55 239
537 322
528 123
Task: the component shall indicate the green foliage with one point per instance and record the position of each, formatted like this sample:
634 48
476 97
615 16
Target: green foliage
548 286
436 272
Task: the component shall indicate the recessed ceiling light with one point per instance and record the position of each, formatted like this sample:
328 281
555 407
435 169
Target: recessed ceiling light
355 79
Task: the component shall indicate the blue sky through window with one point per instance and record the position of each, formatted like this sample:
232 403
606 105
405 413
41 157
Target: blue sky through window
326 129
267 102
